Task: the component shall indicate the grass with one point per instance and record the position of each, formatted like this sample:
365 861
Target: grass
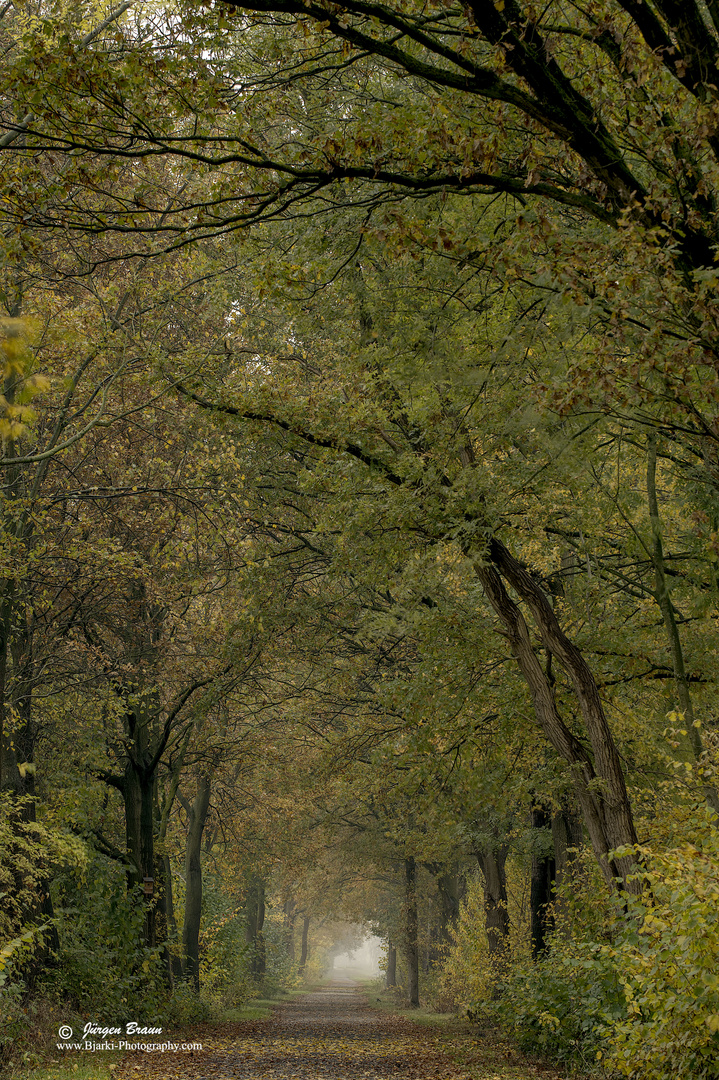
259 1008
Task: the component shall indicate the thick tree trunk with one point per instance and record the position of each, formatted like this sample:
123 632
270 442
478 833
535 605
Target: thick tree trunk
193 882
541 893
411 931
496 915
17 765
598 783
391 973
568 838
139 795
305 948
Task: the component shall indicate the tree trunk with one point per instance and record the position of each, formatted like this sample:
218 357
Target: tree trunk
193 882
568 839
290 914
391 973
305 944
255 911
450 886
139 794
411 928
449 889
166 907
599 783
541 893
496 916
17 762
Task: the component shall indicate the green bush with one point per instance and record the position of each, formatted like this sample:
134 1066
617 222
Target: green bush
562 1004
224 954
103 964
668 959
13 1019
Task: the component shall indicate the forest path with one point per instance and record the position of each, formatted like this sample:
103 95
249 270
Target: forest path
332 1033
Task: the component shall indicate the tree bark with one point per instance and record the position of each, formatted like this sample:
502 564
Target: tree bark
290 915
496 915
411 931
168 935
450 886
305 948
138 790
254 935
391 973
541 893
193 881
599 783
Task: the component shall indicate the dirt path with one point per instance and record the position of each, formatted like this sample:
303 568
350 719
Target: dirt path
329 1034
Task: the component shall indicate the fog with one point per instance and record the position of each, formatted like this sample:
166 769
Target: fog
362 961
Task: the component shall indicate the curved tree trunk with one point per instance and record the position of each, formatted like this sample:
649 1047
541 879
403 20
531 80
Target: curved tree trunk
598 780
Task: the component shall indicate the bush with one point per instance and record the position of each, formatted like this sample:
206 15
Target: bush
668 959
562 1004
103 964
224 954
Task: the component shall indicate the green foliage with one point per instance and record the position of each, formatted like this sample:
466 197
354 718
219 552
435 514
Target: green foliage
469 977
28 852
103 964
224 962
668 962
14 1023
561 1004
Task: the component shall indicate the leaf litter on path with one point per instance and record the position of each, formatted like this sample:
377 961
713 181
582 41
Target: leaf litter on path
329 1034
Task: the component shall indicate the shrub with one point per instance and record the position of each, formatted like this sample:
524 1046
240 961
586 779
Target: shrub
562 1004
668 959
96 913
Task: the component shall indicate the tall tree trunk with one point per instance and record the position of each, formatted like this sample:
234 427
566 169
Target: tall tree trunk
541 893
255 918
17 758
305 948
496 916
193 881
451 887
568 839
391 973
290 915
671 627
411 929
166 907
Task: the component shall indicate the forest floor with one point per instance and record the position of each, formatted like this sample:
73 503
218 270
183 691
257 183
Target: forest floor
332 1033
